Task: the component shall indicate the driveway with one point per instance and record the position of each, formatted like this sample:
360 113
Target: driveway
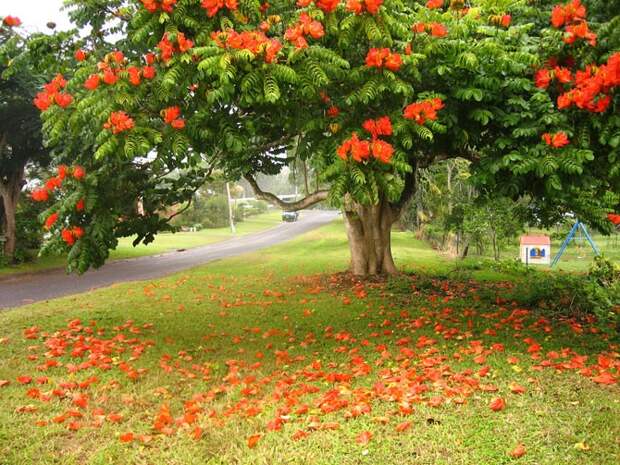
25 289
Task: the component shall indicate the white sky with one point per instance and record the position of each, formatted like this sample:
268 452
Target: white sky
35 14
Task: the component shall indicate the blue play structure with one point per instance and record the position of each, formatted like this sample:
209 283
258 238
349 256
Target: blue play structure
578 226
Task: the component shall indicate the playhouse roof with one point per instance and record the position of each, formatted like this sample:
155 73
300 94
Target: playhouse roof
535 240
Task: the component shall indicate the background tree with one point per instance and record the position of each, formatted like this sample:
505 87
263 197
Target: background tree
21 140
366 93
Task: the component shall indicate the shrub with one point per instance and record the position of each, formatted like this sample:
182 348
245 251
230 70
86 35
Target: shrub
596 293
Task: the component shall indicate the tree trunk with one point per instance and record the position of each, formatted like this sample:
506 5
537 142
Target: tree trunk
369 230
9 191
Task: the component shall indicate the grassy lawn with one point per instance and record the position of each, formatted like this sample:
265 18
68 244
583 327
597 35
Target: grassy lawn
164 242
277 358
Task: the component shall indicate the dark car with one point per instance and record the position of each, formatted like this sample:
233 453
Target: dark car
290 217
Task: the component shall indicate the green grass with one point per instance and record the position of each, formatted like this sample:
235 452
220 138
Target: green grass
291 304
164 242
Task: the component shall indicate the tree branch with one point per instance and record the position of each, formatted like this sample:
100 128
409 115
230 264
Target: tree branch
306 202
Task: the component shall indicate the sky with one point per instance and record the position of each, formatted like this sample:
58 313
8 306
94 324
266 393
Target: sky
36 13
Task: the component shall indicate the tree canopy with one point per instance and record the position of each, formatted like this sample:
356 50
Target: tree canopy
367 92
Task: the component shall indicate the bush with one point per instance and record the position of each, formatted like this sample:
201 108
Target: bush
253 207
208 212
596 293
214 212
29 231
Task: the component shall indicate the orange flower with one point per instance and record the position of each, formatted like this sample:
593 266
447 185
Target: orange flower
12 21
51 220
118 122
79 173
363 438
213 6
134 75
40 195
80 55
126 437
253 440
542 78
422 111
110 77
333 111
92 82
382 150
518 451
438 30
67 236
557 140
497 404
184 43
148 72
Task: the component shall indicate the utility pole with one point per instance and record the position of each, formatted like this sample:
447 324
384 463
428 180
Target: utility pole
231 218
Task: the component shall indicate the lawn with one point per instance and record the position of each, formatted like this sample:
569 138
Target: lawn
164 242
277 357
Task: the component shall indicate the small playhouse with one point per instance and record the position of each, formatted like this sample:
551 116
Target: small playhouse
536 250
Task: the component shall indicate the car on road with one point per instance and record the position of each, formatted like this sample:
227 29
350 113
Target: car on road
290 217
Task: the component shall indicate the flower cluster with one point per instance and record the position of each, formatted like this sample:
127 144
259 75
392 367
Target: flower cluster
614 218
11 21
361 150
42 194
572 16
359 6
51 220
213 6
424 110
557 140
119 122
164 5
110 70
543 77
592 86
305 27
52 94
383 57
147 72
378 127
434 29
326 5
172 116
70 235
254 41
501 20
80 55
432 4
168 49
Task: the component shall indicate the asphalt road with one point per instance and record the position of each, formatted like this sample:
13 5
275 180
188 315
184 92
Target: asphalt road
25 289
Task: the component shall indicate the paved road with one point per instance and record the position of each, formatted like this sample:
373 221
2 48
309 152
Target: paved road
26 289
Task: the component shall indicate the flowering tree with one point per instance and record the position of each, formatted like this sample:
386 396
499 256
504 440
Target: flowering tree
365 91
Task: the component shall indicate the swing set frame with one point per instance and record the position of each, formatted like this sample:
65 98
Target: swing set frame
578 226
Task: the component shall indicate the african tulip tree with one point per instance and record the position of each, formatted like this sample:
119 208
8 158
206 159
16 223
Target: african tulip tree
367 92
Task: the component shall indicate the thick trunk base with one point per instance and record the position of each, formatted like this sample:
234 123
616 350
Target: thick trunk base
9 194
369 230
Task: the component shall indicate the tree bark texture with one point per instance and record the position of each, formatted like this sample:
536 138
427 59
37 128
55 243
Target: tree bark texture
369 231
9 191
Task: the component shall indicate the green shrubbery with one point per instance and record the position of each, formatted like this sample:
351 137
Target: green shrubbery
29 232
596 293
